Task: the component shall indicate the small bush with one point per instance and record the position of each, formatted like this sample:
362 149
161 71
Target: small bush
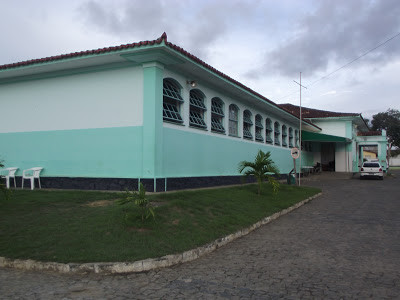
140 200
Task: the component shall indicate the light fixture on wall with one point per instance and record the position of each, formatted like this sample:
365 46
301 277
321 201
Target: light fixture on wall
192 83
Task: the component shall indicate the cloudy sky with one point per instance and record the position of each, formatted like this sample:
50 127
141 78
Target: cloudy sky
263 44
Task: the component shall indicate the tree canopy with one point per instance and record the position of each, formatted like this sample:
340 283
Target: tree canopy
390 121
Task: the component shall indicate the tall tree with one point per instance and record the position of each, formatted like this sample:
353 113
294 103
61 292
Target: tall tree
390 121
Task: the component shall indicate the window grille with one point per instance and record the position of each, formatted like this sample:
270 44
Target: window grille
284 136
259 129
171 91
277 134
197 100
268 125
268 131
296 137
172 101
170 113
217 115
197 109
217 107
247 117
246 132
290 137
259 122
196 120
247 125
233 120
259 136
216 125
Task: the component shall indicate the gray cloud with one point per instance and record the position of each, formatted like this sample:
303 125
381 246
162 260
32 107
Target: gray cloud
199 25
335 33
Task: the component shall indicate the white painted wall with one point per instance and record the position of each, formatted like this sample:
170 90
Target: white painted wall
337 128
394 161
93 100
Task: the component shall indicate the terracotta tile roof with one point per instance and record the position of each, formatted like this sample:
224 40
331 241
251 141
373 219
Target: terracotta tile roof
158 41
83 53
370 133
314 113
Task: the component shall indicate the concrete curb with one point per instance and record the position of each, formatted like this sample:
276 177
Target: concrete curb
147 264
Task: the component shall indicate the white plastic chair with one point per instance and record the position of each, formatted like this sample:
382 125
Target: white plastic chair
10 174
31 174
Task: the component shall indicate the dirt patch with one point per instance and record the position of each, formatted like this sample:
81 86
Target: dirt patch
99 203
138 229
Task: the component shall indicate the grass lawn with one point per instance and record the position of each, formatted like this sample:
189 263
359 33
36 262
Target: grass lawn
75 226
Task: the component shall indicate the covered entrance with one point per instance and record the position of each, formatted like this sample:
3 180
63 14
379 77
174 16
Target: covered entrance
328 150
328 157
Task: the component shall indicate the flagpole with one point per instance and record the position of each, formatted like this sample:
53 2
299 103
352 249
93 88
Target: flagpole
300 117
300 134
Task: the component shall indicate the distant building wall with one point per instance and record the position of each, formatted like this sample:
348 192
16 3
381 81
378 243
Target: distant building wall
394 161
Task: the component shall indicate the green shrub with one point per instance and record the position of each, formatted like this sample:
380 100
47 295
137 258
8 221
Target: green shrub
261 169
140 200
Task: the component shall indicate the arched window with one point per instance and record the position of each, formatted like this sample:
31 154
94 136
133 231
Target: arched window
259 128
233 120
247 125
268 131
197 109
217 115
296 138
284 136
172 101
290 137
277 134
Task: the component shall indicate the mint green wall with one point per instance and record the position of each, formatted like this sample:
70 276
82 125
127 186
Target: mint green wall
307 158
106 152
152 120
197 154
350 130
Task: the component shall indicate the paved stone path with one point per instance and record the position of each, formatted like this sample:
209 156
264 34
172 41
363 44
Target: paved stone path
345 244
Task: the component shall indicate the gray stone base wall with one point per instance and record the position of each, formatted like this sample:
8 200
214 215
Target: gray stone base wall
121 184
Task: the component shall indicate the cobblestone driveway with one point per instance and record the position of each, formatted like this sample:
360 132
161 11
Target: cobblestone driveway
344 244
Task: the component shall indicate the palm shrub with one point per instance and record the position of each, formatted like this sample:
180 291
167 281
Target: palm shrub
140 200
261 168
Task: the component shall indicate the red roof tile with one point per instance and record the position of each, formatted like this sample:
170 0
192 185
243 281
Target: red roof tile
314 113
370 133
83 53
